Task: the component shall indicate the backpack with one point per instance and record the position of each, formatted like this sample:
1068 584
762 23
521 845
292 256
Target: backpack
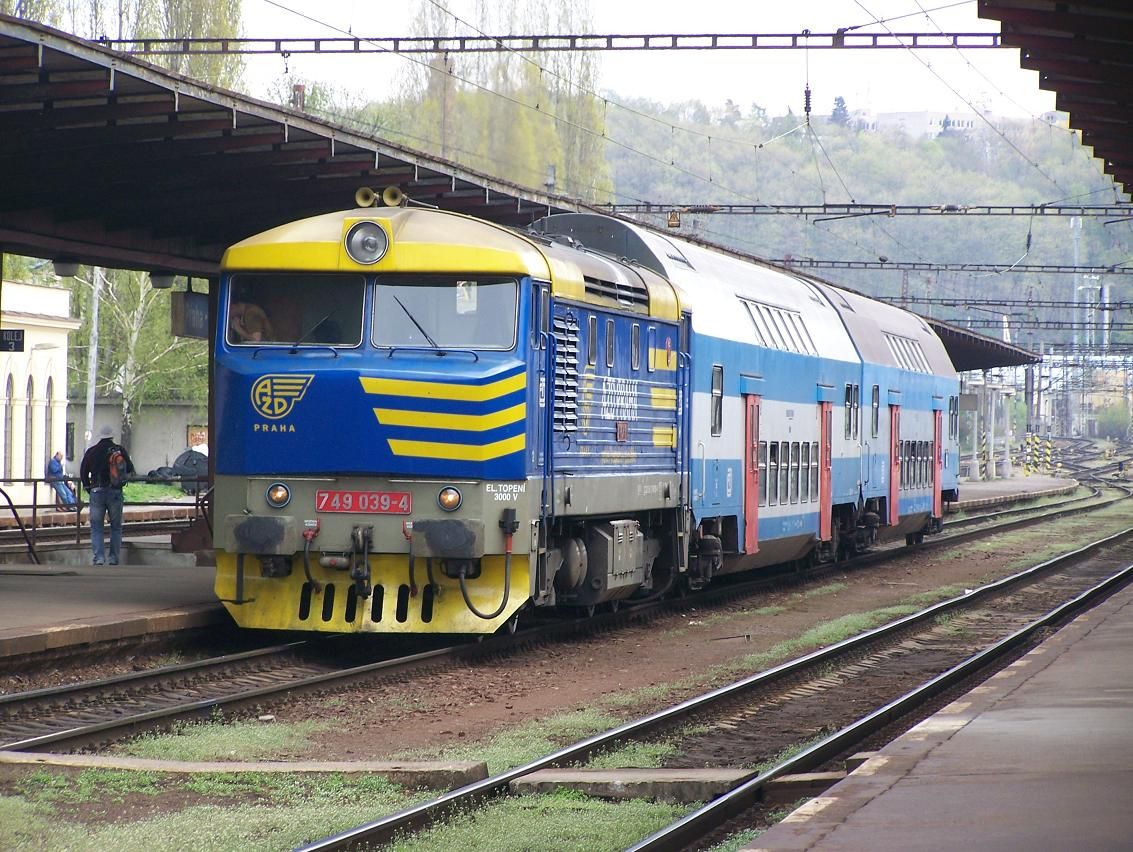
116 468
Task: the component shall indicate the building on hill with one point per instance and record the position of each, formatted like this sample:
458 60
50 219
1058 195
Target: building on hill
33 385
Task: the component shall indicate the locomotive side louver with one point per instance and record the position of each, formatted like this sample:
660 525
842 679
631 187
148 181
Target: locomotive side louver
565 330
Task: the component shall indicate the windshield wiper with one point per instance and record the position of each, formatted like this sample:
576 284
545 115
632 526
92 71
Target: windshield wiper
305 337
413 320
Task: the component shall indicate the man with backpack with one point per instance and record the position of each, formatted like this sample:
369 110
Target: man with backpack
105 469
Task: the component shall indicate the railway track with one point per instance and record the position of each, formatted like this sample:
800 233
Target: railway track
89 714
914 661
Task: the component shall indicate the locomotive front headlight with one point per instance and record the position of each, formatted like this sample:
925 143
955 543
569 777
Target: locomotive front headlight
449 498
278 495
366 242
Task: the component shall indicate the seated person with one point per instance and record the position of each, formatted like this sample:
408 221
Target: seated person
249 323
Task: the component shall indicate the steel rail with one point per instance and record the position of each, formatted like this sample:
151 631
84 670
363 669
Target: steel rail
421 815
702 821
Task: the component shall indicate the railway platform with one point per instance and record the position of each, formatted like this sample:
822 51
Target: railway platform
1015 489
1038 757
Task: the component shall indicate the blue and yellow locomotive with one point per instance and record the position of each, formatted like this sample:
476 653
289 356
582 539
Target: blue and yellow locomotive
427 423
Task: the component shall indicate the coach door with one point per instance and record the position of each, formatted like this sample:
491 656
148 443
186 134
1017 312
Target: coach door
751 475
937 463
825 453
894 462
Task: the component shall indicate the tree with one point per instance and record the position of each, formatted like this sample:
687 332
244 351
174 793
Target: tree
840 115
139 360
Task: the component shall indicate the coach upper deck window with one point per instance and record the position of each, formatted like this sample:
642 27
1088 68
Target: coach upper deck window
440 312
295 309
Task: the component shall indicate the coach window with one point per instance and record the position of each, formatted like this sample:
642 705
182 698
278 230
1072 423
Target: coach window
635 347
857 410
875 421
849 430
611 339
762 473
592 340
794 471
717 399
814 471
804 479
773 474
784 471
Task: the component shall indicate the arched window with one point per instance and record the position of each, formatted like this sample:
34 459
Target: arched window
49 447
9 423
29 411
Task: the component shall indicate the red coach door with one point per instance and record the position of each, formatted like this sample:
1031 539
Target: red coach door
825 489
937 463
894 462
751 476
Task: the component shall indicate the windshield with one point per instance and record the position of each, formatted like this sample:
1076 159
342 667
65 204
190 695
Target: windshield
295 308
448 313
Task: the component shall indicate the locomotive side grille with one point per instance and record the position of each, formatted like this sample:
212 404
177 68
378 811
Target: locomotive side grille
565 331
622 292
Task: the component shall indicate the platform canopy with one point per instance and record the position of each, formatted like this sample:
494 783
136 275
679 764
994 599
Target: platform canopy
1082 51
113 161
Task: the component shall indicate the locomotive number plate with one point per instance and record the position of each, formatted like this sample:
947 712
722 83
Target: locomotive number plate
372 502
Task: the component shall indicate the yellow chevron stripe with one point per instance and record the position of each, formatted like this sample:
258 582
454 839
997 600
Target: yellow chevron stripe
664 436
445 390
659 359
462 422
663 397
457 452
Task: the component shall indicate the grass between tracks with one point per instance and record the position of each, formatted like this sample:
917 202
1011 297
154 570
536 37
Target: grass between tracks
123 811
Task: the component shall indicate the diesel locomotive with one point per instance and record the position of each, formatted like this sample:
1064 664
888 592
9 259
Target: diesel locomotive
428 423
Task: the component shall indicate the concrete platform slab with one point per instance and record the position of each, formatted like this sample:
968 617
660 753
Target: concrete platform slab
433 774
46 607
669 785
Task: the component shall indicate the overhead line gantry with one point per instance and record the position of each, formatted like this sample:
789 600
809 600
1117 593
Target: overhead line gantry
830 212
549 42
920 266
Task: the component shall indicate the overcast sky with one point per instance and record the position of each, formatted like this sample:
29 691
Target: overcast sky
880 80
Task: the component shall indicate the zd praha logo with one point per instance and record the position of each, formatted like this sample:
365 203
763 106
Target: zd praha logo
275 394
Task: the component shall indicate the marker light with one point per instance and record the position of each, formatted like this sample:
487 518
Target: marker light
278 495
449 499
366 242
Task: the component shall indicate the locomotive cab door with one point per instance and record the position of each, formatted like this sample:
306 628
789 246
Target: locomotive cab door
894 462
825 486
751 475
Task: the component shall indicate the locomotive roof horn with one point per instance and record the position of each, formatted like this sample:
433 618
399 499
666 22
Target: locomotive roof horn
391 196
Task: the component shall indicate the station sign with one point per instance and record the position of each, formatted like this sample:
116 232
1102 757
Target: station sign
11 340
189 314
